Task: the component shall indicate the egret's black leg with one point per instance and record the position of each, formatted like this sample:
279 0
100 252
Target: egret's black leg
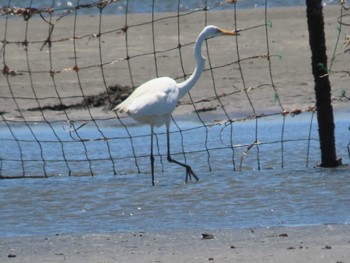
189 171
151 156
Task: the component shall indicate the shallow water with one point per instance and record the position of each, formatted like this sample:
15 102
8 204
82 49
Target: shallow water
220 200
135 6
223 198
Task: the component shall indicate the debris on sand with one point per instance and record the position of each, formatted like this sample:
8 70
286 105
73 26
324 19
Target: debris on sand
107 99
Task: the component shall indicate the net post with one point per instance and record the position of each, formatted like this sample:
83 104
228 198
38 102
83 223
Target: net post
315 21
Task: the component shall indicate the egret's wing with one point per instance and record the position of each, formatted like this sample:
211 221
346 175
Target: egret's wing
150 105
155 97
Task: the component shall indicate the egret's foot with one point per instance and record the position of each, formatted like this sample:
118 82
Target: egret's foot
189 174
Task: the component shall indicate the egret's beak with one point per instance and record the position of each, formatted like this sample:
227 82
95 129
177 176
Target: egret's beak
229 32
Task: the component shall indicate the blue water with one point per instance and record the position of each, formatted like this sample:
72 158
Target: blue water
223 198
146 6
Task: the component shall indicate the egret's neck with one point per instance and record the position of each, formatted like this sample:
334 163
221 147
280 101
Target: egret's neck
185 86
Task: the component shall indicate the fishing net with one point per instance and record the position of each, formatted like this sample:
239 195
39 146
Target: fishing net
64 67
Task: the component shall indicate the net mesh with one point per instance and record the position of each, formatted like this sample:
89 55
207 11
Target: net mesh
65 68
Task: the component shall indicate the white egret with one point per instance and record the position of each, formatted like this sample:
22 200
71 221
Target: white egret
153 102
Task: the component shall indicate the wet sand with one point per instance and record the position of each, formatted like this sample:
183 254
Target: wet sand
314 244
288 46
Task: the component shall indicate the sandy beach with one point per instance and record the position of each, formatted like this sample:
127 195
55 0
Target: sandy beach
288 45
291 71
314 244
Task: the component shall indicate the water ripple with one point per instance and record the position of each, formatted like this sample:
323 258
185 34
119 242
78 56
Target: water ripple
128 203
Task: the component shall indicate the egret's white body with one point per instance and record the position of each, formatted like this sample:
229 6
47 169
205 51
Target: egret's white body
153 102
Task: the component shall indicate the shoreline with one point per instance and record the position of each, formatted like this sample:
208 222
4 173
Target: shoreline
323 243
288 42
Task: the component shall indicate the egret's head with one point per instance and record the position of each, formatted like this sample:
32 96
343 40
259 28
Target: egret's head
213 31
